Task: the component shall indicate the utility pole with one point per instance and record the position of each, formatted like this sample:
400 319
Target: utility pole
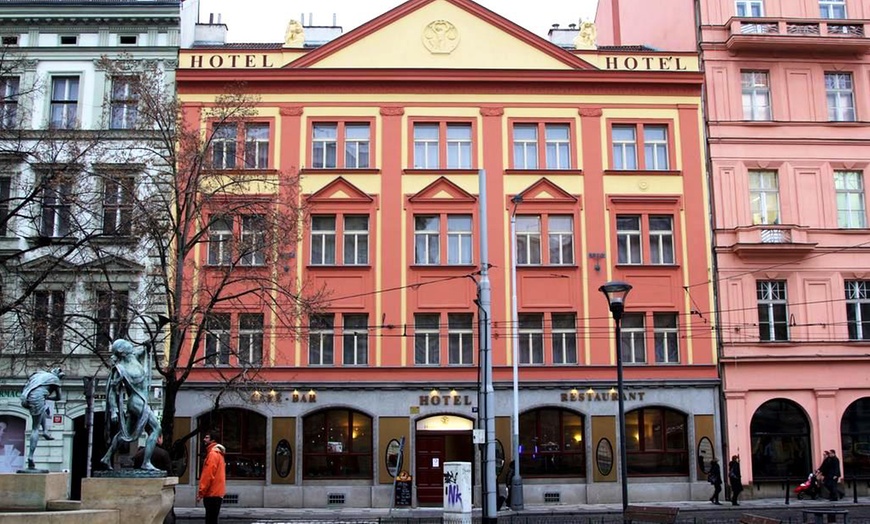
490 513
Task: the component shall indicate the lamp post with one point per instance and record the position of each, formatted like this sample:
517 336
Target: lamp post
516 487
615 292
90 385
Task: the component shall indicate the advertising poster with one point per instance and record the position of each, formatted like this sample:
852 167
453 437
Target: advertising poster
11 443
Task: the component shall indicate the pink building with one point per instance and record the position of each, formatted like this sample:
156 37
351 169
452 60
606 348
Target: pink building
788 100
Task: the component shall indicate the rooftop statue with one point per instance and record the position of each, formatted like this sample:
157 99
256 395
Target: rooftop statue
295 35
586 38
41 387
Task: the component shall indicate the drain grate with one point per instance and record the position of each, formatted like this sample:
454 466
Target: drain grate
334 498
553 497
231 498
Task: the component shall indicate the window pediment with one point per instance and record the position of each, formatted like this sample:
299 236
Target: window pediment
340 190
443 190
545 191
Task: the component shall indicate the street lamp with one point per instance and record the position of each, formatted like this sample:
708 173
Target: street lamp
90 384
516 487
615 292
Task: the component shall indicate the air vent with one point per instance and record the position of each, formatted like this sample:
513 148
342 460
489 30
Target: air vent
69 40
333 499
231 498
554 497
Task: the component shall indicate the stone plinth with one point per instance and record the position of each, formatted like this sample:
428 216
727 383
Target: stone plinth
97 516
139 500
31 491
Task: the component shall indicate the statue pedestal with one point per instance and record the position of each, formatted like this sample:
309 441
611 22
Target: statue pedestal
31 491
140 500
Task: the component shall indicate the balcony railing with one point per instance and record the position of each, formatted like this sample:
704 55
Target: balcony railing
766 240
822 35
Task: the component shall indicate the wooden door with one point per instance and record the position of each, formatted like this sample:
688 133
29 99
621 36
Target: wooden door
430 469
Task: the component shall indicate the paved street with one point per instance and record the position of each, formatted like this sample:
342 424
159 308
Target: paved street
694 512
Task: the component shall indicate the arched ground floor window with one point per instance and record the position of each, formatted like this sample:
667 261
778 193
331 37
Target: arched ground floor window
780 437
337 443
855 434
657 442
551 443
243 434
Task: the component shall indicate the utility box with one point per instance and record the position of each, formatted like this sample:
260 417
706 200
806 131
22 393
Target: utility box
457 492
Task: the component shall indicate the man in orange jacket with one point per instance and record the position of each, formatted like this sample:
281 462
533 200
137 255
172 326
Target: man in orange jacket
213 481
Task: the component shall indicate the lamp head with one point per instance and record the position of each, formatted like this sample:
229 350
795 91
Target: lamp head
517 199
616 291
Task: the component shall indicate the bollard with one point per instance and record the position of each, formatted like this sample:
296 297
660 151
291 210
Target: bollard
855 491
787 490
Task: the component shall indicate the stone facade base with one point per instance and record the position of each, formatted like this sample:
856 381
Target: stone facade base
31 491
140 500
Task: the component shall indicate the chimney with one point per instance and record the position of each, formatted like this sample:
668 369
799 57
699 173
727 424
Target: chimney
563 38
302 18
334 19
211 18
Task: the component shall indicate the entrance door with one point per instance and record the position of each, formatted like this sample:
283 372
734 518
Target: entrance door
80 451
430 469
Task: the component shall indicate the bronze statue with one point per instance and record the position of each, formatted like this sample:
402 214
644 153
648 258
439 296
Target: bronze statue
40 387
127 401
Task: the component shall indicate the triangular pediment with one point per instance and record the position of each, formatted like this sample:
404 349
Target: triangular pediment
440 34
47 263
113 264
443 190
340 190
546 191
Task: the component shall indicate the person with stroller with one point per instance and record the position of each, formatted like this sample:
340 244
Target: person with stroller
714 476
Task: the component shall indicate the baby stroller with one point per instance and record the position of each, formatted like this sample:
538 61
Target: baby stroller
809 489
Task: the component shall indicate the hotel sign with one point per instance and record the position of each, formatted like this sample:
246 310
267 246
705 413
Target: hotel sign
645 63
228 61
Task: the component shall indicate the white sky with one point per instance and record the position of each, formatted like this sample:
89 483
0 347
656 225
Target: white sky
266 20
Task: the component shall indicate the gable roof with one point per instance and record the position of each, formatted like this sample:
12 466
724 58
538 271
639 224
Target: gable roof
548 51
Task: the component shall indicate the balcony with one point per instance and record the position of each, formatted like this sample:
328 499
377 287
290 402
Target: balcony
766 240
801 35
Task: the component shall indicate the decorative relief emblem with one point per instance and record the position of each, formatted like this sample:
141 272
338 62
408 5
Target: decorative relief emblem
440 37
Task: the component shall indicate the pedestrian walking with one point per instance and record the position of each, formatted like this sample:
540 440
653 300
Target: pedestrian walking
734 479
714 476
213 482
836 473
509 480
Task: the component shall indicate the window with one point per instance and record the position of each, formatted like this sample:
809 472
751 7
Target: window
356 240
666 338
750 8
356 339
655 147
251 339
427 346
779 437
460 339
112 307
657 442
628 239
633 338
337 443
48 321
456 152
560 230
217 339
253 240
850 199
118 206
427 248
764 197
531 338
654 142
528 229
220 240
551 443
459 239
564 339
556 147
9 40
69 40
328 138
661 239
128 39
56 206
855 436
5 202
772 310
756 95
858 309
9 108
223 146
323 240
125 103
243 434
841 101
321 340
256 146
64 102
833 9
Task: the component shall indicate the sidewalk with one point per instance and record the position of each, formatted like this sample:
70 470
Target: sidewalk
861 510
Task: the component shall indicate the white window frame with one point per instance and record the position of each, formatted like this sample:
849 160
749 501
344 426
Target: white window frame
357 149
563 337
9 91
217 339
112 307
57 209
748 6
220 240
858 309
661 241
459 152
459 240
223 146
655 149
460 335
528 231
124 105
531 339
764 196
118 205
624 149
252 239
631 239
525 148
559 147
355 339
666 336
256 145
323 236
840 94
828 9
427 150
356 241
324 141
633 341
321 340
64 109
251 339
771 295
851 210
428 338
755 89
560 241
48 320
425 237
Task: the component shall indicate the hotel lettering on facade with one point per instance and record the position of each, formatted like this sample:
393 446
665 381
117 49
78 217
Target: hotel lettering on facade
388 127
